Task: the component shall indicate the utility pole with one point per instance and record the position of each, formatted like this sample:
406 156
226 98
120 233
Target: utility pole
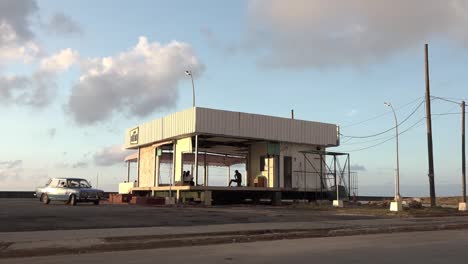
429 130
463 152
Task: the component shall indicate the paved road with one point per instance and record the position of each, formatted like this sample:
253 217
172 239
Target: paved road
417 247
31 215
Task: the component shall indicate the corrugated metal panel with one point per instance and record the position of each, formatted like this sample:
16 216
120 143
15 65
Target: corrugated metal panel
167 127
217 122
235 124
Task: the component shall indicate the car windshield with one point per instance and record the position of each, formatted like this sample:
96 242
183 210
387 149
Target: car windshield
78 183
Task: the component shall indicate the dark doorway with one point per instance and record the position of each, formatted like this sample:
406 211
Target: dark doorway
287 172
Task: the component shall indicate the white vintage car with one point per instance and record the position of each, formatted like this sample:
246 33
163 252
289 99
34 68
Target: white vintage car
69 190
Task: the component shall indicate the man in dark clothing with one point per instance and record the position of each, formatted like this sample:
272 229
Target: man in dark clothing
237 179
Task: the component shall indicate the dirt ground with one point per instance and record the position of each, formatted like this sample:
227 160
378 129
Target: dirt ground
31 215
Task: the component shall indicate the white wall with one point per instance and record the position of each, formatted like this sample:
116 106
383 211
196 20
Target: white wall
312 180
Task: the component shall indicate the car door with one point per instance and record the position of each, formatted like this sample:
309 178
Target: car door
51 189
59 191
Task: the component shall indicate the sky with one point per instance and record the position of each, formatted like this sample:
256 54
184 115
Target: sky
75 74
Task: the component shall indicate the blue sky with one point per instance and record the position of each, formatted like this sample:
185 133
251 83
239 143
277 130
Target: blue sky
329 61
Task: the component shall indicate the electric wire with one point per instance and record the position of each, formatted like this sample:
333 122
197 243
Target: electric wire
386 140
415 125
446 99
386 131
383 114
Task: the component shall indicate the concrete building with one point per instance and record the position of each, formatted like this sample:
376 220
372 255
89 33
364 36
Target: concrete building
280 155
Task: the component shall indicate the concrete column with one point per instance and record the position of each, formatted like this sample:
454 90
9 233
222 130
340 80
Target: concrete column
207 198
157 173
128 171
138 170
195 173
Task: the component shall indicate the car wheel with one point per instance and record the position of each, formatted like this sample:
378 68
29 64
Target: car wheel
96 202
45 198
72 200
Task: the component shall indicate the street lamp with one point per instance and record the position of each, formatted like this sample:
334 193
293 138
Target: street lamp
189 73
396 205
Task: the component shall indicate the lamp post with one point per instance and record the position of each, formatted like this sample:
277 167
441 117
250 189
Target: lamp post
396 205
189 73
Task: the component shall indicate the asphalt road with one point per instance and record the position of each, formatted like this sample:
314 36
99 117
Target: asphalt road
416 247
31 215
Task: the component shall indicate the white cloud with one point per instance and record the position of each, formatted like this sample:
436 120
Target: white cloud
16 37
111 155
10 169
14 176
36 90
323 33
60 61
136 82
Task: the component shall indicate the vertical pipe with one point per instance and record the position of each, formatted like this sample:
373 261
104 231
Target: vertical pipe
174 147
463 153
196 160
336 180
157 173
429 129
349 177
292 113
128 171
205 175
397 195
138 171
321 176
268 165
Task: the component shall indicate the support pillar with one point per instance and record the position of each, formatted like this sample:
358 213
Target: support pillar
205 175
196 160
338 202
128 171
207 198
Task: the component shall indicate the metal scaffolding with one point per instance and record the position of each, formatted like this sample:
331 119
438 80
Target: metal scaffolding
331 173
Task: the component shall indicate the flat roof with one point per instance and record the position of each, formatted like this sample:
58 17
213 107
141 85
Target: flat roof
206 121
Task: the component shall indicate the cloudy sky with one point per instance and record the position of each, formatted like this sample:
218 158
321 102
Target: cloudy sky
75 74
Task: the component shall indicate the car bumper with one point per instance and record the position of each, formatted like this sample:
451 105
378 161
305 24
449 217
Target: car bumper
90 199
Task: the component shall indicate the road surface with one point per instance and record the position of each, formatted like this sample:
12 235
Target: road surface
31 215
416 247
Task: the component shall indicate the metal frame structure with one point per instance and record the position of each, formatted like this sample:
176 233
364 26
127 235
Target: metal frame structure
338 175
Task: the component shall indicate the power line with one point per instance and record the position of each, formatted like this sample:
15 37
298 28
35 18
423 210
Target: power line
363 142
443 114
383 114
380 143
452 98
404 131
445 99
384 138
383 132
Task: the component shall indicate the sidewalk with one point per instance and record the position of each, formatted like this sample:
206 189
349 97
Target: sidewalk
41 243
